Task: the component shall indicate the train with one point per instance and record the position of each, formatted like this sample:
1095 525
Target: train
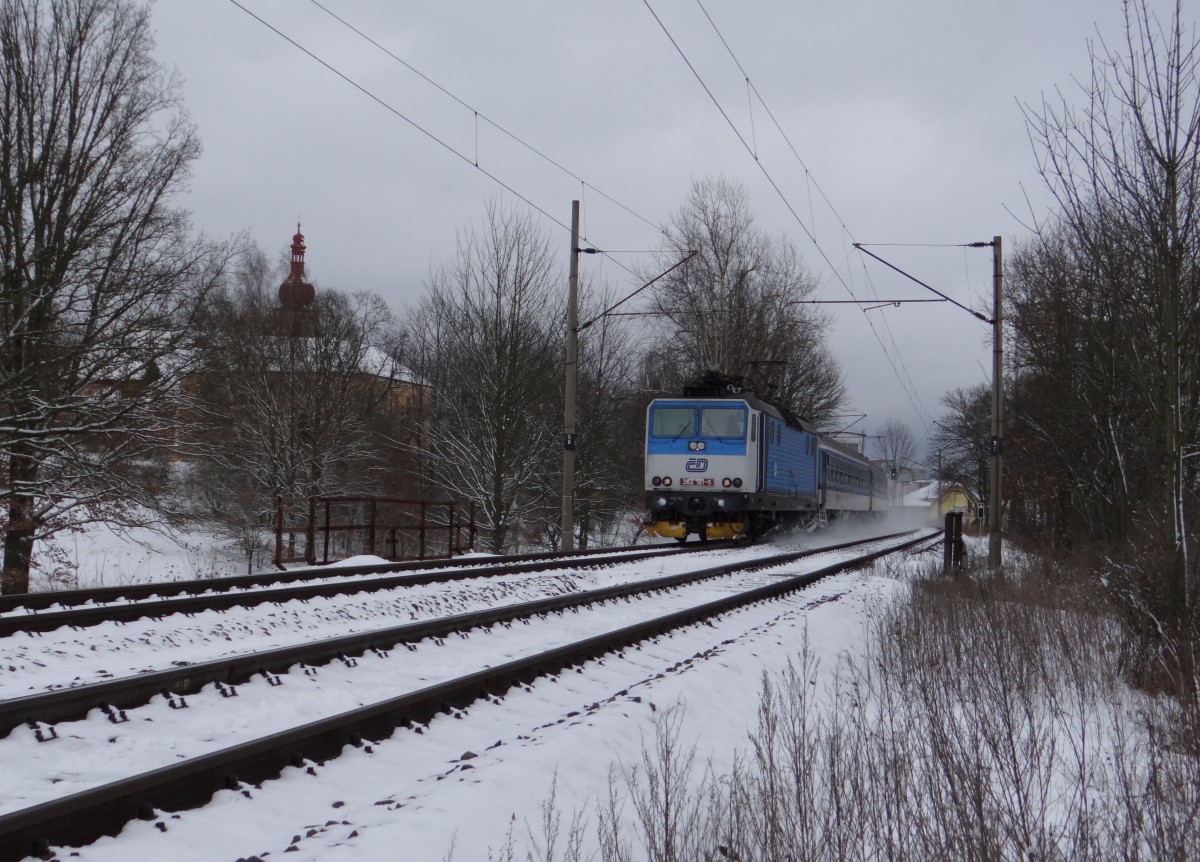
724 462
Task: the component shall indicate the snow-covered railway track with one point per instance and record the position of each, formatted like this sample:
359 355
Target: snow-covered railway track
84 816
123 604
35 663
183 679
25 602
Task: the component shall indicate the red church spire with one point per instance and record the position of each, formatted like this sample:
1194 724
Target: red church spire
296 293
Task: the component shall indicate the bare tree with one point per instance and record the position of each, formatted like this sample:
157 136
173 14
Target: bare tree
284 406
1083 448
1125 170
961 445
610 420
488 339
734 307
100 278
897 447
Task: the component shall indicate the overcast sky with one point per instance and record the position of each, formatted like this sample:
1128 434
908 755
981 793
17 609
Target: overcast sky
907 117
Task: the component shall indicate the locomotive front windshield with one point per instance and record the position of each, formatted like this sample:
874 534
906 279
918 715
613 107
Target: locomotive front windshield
672 422
725 422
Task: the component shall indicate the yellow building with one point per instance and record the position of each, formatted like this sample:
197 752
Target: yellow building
955 497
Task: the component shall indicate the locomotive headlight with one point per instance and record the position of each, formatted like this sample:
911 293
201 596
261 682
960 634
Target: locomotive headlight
667 481
720 502
726 482
696 445
660 503
656 481
737 483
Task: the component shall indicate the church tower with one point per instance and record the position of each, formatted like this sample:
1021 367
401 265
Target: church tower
296 296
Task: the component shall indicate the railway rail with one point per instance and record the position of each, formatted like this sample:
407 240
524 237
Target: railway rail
84 816
229 597
114 696
166 589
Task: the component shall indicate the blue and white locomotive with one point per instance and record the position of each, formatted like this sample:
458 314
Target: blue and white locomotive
722 463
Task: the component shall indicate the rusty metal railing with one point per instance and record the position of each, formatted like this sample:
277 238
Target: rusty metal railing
328 529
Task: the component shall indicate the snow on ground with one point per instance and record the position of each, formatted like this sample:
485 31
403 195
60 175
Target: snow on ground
459 783
103 557
30 663
462 782
156 735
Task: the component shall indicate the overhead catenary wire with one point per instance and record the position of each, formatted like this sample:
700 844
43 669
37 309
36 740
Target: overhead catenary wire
661 312
473 162
481 116
904 378
716 102
901 372
379 100
862 247
615 306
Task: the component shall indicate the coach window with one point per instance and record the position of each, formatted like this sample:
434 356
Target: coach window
672 422
726 422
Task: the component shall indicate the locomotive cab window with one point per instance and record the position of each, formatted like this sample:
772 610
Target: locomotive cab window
724 422
672 422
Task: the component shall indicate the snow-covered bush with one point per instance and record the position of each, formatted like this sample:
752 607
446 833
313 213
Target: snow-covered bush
986 720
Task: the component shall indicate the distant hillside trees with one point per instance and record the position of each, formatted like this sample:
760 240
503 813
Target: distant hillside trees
101 282
736 306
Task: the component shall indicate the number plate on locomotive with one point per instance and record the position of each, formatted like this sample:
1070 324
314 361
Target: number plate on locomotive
688 482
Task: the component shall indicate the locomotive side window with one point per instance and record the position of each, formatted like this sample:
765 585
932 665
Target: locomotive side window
729 423
673 422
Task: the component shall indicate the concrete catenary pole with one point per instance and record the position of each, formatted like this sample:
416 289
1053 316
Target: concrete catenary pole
995 519
567 539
